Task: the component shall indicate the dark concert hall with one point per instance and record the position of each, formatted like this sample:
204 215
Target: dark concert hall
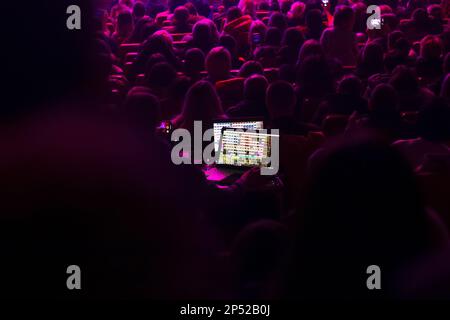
226 158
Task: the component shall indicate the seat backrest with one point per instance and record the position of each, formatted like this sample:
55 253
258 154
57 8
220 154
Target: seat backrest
127 48
179 36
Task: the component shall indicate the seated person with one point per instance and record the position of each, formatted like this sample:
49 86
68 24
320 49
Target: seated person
281 101
254 104
347 100
340 41
218 65
180 21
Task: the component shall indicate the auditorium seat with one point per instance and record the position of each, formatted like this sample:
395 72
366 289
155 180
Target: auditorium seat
130 57
179 36
128 47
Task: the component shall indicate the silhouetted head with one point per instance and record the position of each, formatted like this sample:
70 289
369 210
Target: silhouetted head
251 67
124 23
431 47
310 48
344 18
142 109
278 20
293 37
181 16
218 63
173 4
228 42
404 80
194 61
280 99
383 99
420 17
314 77
138 10
350 85
273 37
255 87
201 104
161 75
372 58
204 34
233 13
314 22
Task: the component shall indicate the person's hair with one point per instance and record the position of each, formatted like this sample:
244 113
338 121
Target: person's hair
229 42
139 9
191 8
194 61
251 67
181 15
435 11
372 59
310 48
152 60
138 35
420 17
350 85
204 34
158 43
383 99
343 17
293 37
297 10
124 22
278 20
431 47
393 37
257 26
433 122
314 22
285 6
280 99
218 63
273 37
255 87
248 7
233 13
404 80
314 77
142 108
201 104
161 75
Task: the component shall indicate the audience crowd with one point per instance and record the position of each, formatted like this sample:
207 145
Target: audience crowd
364 120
